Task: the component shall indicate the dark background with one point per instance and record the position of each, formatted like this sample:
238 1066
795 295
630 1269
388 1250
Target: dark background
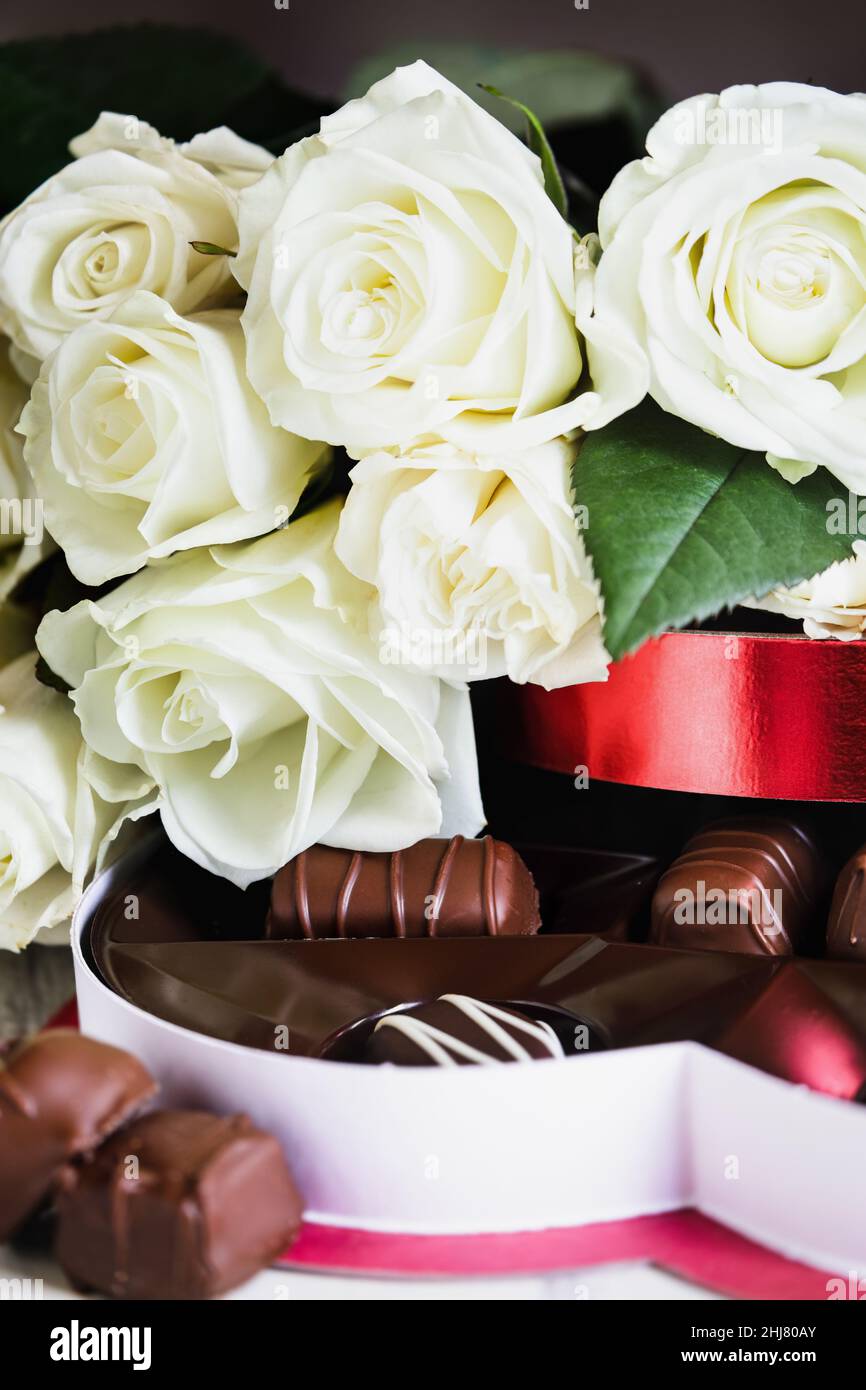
687 47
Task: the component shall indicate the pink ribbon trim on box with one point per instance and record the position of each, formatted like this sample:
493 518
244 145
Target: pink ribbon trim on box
684 1243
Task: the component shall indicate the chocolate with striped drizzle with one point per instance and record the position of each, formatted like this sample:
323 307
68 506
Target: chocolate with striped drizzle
436 887
456 1030
749 884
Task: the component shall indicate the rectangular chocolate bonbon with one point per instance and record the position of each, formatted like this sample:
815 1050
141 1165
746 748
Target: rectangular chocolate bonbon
177 1205
441 888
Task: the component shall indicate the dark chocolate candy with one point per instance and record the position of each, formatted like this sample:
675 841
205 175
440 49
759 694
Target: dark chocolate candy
60 1095
440 888
574 1034
178 1205
456 1031
846 926
749 885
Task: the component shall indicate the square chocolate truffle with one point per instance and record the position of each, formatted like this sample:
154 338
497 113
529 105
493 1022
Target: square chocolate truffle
61 1094
178 1205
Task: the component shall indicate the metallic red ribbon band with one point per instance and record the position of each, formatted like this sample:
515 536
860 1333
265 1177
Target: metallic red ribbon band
723 713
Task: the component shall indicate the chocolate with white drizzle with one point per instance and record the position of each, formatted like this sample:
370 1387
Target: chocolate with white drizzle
436 887
456 1031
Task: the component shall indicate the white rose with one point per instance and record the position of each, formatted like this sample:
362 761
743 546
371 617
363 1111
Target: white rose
233 682
144 437
235 161
408 274
23 542
478 562
735 255
831 604
119 219
51 823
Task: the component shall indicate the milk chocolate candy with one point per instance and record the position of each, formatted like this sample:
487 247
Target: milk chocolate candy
440 888
846 926
749 885
60 1095
456 1031
178 1205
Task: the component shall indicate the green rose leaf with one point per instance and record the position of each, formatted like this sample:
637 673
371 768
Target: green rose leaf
680 525
539 144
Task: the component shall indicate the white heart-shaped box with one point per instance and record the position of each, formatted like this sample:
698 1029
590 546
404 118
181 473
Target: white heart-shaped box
588 1139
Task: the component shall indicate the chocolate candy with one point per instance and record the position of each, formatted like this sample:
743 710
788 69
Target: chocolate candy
846 926
749 885
60 1095
179 1204
435 888
456 1031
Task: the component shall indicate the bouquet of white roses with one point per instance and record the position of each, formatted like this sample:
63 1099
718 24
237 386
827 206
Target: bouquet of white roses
325 435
